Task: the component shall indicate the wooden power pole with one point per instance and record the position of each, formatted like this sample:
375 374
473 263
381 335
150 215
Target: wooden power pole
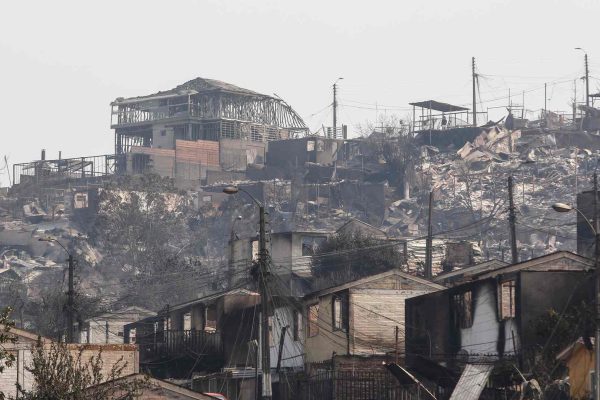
474 76
512 220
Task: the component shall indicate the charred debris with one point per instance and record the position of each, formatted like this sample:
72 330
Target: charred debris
176 150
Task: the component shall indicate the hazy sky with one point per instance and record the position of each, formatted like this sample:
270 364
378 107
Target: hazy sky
63 62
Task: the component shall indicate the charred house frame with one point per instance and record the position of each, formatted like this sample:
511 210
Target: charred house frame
202 109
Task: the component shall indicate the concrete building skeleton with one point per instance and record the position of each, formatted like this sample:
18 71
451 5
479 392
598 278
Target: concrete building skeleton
201 125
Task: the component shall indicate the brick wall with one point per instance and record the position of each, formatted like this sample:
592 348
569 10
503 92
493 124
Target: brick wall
111 354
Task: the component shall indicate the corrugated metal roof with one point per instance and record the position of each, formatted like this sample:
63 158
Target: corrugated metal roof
471 382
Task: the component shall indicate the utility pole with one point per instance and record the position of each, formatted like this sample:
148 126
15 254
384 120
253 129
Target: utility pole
545 98
429 241
70 303
335 107
587 82
474 93
265 305
587 77
512 220
262 275
597 264
574 100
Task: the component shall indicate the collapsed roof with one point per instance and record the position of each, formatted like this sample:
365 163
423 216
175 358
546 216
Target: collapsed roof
194 86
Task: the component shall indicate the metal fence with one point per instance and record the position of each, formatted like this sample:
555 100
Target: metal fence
346 385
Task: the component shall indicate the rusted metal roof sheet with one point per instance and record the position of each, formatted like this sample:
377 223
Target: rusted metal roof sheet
471 382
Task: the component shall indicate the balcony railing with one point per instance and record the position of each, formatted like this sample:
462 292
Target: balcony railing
172 343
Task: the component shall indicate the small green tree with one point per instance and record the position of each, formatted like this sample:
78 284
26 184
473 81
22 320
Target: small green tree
60 373
348 256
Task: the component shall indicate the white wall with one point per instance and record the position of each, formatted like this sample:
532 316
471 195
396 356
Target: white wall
482 337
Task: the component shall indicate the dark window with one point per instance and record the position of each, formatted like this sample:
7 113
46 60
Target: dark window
310 244
210 319
140 163
340 313
507 299
163 133
462 305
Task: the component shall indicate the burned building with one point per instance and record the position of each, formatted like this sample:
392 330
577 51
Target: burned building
180 132
493 312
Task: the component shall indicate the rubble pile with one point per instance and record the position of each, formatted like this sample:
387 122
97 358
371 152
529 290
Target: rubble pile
470 189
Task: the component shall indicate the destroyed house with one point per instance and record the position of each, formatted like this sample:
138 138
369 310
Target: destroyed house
291 154
237 379
492 314
291 254
171 342
360 318
217 332
108 327
443 125
201 109
199 126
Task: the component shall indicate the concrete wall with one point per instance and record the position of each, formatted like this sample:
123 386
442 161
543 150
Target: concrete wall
235 155
286 251
281 250
292 152
162 137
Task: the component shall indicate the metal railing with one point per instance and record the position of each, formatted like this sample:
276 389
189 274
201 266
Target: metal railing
349 385
72 168
175 343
